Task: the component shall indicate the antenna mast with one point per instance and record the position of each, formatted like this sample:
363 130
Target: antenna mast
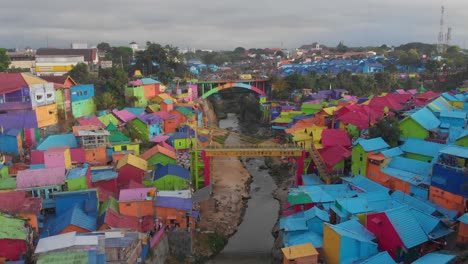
440 39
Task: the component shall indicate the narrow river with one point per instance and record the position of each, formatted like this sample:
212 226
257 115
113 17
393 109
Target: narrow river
252 243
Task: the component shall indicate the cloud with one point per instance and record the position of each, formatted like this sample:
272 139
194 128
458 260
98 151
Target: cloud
228 24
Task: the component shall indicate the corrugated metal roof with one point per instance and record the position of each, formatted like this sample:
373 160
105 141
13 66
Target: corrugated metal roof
149 81
379 258
297 238
432 225
136 194
103 175
74 216
158 149
409 170
455 151
308 194
289 224
464 218
413 202
407 226
174 202
123 241
426 119
372 144
63 241
135 110
299 251
116 220
435 258
118 138
59 140
69 257
12 228
77 172
91 121
354 205
106 119
40 177
170 169
133 160
353 229
22 203
421 147
389 153
364 184
453 114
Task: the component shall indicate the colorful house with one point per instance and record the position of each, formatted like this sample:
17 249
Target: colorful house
18 203
182 141
58 140
159 155
169 120
123 115
112 219
398 232
347 242
135 94
300 254
14 238
453 118
137 202
42 183
170 177
462 139
418 124
109 118
82 100
435 257
6 181
421 150
57 157
150 88
62 86
11 141
463 229
175 212
361 149
105 180
334 158
378 258
120 142
76 178
332 137
147 126
130 167
74 219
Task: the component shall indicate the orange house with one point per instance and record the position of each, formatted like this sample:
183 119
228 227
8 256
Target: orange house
175 211
463 229
447 200
300 254
137 202
96 156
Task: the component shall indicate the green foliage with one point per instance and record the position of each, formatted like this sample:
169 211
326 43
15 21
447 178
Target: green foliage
388 128
165 62
104 46
122 56
80 73
341 47
106 100
4 60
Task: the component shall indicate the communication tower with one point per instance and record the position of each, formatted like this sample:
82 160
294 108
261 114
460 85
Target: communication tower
440 39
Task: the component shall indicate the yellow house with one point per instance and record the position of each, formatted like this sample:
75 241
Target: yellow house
46 115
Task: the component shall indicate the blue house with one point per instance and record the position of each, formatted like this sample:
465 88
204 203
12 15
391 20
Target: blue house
87 200
449 172
10 141
421 150
372 67
453 118
73 219
59 140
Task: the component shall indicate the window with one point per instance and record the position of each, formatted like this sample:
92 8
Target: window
85 92
39 98
123 148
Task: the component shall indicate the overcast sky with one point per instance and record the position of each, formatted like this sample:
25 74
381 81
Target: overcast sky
224 24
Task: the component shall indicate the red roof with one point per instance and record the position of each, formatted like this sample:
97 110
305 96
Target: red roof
116 220
17 202
388 101
91 121
10 82
158 149
332 137
428 95
333 155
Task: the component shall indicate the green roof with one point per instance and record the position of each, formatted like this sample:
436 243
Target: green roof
7 183
106 119
117 137
111 127
185 111
68 257
12 228
111 203
299 198
154 107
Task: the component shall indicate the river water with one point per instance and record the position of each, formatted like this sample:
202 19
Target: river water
253 241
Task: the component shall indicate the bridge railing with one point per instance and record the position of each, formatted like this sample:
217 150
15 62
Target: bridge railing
254 146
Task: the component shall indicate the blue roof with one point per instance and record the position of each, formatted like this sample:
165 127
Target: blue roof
148 81
170 169
311 179
464 218
421 147
354 205
13 132
135 110
59 140
77 172
435 258
407 226
364 184
293 224
372 144
453 114
413 202
455 151
463 134
103 175
379 258
431 225
449 97
74 216
174 202
298 238
426 119
353 229
298 221
409 170
389 153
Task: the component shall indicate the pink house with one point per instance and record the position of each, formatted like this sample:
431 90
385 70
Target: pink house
57 157
29 179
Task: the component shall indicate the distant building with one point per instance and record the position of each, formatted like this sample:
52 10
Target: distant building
60 61
79 45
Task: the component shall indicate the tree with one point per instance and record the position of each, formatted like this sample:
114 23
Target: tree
122 56
106 100
388 128
104 46
80 73
4 60
239 50
342 48
433 66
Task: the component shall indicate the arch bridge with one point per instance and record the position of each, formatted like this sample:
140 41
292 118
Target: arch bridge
209 87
